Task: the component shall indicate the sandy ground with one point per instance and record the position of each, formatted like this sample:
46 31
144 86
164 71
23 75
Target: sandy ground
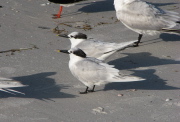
52 91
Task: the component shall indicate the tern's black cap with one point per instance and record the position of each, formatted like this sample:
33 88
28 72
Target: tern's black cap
77 35
79 52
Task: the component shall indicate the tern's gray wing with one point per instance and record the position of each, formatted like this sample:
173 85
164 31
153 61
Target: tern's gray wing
92 73
102 50
94 48
143 16
94 60
96 73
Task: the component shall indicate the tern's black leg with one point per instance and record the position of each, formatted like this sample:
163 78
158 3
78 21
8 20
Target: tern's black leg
92 90
139 39
85 92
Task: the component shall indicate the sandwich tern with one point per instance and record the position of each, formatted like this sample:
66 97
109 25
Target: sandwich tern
65 3
91 71
95 48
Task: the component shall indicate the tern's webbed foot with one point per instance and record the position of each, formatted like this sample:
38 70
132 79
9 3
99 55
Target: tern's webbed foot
136 44
85 92
90 90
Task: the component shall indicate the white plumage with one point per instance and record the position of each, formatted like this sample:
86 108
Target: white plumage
91 71
95 48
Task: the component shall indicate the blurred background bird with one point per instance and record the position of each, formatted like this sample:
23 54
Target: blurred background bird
7 84
145 18
63 3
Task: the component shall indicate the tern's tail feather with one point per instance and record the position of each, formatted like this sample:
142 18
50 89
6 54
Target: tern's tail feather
115 76
123 45
114 47
126 78
174 31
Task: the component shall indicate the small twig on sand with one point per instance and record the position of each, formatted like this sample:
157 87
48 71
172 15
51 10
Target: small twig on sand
58 31
20 49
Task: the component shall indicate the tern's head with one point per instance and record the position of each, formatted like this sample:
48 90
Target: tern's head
76 38
77 35
74 51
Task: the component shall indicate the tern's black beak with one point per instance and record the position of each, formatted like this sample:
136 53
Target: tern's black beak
64 35
63 51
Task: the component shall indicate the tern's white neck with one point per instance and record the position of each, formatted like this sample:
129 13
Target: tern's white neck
75 42
74 58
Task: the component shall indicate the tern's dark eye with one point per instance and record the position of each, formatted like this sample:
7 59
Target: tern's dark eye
71 36
70 51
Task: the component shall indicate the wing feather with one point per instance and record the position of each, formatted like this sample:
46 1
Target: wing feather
144 16
102 50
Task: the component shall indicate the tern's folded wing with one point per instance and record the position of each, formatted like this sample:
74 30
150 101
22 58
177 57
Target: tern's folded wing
144 16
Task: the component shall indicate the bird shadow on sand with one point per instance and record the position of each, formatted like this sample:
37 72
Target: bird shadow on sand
93 7
169 37
152 82
99 6
108 5
39 86
143 60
